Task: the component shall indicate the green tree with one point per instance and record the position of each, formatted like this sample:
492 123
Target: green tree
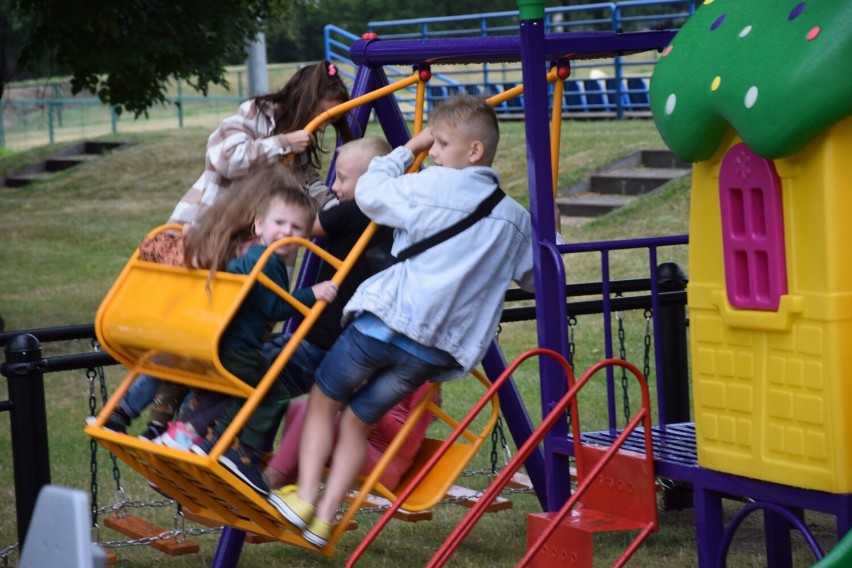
126 52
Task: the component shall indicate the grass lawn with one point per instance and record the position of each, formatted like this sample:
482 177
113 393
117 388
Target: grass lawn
66 239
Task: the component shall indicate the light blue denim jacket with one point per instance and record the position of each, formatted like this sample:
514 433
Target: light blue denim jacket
451 295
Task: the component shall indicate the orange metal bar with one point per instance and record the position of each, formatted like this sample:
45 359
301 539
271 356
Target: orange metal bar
556 130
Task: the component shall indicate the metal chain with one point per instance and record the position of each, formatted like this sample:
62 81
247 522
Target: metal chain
93 449
572 326
130 504
165 535
622 353
116 473
646 369
498 436
572 345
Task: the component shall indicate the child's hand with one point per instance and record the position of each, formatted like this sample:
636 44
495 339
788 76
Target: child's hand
298 140
421 141
325 291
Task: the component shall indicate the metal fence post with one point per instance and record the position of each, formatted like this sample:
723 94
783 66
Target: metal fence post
672 321
2 126
30 457
50 134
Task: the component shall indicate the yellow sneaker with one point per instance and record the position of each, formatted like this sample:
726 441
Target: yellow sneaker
318 532
297 512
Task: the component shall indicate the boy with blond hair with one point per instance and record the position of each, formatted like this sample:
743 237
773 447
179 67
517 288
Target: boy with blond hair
430 317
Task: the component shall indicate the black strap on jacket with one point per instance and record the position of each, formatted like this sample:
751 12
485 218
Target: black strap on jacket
482 210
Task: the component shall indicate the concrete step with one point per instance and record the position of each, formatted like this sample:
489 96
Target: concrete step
591 204
619 183
78 153
59 163
662 159
633 181
20 180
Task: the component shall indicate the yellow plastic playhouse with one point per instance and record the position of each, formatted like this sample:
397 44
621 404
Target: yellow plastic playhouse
759 95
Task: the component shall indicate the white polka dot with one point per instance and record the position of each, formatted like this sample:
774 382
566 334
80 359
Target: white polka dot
751 97
670 103
745 31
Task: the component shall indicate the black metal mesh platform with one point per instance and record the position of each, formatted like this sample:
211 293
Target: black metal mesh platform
675 455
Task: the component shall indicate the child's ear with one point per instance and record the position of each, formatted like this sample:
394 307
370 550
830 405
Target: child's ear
258 222
476 151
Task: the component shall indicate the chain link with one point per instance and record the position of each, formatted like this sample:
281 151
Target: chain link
572 326
622 353
93 449
165 535
646 369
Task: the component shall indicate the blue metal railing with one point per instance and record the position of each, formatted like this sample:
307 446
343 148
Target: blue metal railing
616 87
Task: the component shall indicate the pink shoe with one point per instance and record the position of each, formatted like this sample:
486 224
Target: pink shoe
177 436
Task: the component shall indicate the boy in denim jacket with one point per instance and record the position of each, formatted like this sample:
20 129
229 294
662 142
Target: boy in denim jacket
428 318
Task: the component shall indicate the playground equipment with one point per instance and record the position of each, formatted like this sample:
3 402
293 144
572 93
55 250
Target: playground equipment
711 485
200 483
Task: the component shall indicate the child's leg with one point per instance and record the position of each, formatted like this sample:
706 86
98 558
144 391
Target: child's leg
317 443
166 402
294 380
395 374
139 395
282 468
209 407
347 460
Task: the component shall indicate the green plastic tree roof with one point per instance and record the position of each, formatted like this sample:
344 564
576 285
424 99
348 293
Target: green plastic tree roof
778 72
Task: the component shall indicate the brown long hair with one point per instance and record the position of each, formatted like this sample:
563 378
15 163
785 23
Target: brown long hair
295 103
228 223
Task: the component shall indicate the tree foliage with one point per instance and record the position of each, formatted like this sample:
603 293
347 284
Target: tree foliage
127 51
300 36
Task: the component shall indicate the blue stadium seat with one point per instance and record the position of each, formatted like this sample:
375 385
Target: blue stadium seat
575 100
637 91
614 97
596 98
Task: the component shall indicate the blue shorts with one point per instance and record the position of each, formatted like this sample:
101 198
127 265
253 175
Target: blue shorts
298 374
388 374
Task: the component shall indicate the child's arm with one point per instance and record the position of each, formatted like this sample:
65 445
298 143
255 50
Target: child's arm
325 291
421 141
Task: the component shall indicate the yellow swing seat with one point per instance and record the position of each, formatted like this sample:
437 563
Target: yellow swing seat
437 483
163 321
440 479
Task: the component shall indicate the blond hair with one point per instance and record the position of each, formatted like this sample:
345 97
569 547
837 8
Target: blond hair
475 117
365 149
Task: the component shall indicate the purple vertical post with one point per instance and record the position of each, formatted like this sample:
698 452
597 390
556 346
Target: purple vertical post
549 291
229 548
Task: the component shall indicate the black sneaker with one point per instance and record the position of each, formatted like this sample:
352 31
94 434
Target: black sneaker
244 462
152 431
118 421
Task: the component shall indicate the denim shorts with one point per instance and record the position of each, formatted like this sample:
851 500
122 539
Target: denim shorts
298 374
388 374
